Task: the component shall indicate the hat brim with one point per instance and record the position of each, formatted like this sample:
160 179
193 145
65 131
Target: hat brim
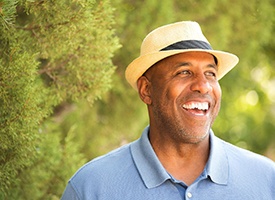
226 61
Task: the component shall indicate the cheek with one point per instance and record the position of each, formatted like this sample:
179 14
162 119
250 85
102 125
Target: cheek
176 89
173 91
218 94
164 96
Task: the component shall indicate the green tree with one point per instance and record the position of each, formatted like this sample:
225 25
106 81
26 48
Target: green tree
53 53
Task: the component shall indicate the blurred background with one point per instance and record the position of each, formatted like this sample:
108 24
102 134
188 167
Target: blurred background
64 99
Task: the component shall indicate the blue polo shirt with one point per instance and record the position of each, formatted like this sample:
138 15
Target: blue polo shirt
133 172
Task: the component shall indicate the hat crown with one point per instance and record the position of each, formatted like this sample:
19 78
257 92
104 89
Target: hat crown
172 39
170 34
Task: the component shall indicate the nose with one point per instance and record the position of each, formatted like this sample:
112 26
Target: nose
201 84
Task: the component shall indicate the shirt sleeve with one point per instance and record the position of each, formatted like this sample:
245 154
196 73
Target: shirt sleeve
69 193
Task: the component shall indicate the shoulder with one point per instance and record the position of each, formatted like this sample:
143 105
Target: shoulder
250 170
112 161
248 159
96 176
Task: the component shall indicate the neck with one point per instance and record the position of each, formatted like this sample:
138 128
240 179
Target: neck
184 161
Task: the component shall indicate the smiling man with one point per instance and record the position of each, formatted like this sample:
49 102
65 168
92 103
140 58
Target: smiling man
178 156
183 97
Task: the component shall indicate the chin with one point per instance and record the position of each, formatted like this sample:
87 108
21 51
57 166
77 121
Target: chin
193 138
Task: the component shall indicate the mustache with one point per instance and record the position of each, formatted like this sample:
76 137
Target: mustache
198 96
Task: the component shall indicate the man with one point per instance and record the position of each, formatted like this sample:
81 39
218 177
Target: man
178 156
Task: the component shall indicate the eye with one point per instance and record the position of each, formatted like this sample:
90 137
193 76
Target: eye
211 74
184 72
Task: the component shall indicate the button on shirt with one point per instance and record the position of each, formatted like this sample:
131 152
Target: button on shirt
133 172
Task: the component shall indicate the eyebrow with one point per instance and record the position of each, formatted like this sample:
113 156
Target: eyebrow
182 64
215 66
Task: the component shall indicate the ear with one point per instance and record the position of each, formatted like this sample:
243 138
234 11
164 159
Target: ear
144 85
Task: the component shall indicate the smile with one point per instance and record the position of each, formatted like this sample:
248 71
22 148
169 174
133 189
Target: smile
197 108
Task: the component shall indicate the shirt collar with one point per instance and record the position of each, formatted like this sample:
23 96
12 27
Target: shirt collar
154 174
217 166
151 170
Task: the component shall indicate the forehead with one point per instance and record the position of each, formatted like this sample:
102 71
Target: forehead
190 58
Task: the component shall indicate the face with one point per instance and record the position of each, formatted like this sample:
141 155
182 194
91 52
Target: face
183 96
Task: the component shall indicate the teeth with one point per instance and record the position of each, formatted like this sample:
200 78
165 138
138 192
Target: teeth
196 105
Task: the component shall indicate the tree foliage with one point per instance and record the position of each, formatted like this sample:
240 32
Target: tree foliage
53 53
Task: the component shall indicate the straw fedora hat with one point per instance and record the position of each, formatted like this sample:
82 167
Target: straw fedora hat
173 39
